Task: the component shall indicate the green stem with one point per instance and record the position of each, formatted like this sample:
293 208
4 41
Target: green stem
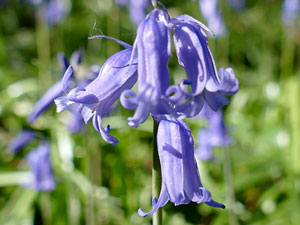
287 56
156 175
229 189
43 49
295 126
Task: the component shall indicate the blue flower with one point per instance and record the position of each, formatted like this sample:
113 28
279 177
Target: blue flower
213 136
210 12
153 48
204 147
38 160
21 140
53 10
53 92
181 182
218 130
45 102
290 10
194 56
96 99
75 124
40 165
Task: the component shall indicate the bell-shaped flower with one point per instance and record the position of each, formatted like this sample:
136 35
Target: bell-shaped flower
96 99
181 182
21 140
40 166
152 46
194 56
210 12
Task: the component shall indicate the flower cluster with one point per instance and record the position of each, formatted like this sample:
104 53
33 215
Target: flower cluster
146 62
39 158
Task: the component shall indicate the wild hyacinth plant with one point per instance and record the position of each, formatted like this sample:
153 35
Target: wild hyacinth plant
147 63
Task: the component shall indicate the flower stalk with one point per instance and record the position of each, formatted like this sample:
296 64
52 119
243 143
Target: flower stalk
156 175
43 48
229 189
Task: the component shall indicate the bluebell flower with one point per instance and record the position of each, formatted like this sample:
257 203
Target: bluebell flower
210 12
194 56
213 136
40 165
21 140
96 99
38 160
290 10
53 92
153 48
218 130
53 10
137 9
45 102
56 10
204 147
181 182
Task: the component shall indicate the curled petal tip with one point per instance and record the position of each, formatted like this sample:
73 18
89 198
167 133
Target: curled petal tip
215 204
142 213
61 104
65 81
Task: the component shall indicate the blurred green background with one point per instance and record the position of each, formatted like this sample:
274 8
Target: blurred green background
258 178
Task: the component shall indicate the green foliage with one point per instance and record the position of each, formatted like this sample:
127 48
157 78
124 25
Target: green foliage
102 184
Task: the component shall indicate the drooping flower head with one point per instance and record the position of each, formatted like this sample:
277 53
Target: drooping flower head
290 10
96 99
40 165
210 12
181 182
194 56
152 47
21 140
